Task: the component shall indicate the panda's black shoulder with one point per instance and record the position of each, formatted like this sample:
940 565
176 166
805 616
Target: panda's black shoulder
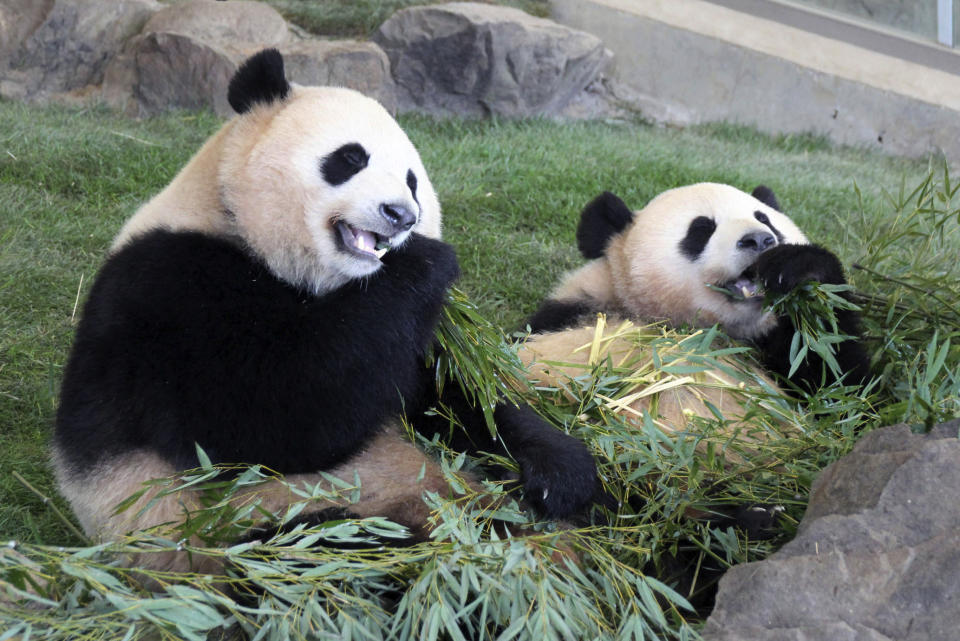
177 275
177 264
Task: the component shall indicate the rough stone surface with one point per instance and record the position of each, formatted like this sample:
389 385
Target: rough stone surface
476 59
876 557
186 54
18 19
238 25
69 50
342 63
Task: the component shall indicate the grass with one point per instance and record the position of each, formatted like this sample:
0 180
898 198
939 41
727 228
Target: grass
360 18
511 193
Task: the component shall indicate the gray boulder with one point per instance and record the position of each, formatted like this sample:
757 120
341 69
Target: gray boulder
876 557
65 45
18 19
342 63
187 52
476 59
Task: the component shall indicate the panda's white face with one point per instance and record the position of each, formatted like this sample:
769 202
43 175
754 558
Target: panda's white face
690 242
322 184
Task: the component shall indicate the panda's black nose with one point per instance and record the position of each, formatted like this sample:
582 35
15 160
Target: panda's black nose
757 241
399 217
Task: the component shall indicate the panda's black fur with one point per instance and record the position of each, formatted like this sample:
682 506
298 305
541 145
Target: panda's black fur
260 79
187 339
193 335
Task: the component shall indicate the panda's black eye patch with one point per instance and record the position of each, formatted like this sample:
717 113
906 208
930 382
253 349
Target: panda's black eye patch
698 234
763 218
412 184
345 162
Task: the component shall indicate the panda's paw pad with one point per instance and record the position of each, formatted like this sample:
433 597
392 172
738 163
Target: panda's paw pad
785 267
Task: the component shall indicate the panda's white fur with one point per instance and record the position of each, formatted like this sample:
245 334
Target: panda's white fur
731 386
257 179
644 275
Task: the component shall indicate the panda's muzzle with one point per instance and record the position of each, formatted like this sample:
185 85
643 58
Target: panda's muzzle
745 288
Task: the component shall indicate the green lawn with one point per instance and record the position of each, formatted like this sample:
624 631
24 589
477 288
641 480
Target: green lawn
360 18
511 194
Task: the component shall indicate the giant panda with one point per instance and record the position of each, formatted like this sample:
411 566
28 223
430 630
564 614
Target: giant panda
695 256
274 305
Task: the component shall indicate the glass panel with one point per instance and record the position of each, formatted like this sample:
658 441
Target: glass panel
918 17
956 23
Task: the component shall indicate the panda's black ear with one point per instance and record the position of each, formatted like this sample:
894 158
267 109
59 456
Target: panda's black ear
604 217
259 79
765 195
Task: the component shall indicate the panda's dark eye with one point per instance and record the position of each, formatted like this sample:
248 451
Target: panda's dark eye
342 164
763 218
412 184
698 234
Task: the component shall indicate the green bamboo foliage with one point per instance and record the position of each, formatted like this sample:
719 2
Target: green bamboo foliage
497 572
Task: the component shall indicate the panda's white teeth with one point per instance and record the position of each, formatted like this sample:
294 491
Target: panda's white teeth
740 289
746 288
364 241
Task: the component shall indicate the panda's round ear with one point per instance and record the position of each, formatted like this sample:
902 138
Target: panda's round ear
603 218
765 195
259 79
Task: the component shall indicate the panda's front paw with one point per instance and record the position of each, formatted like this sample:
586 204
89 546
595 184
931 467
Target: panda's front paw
784 267
560 478
431 264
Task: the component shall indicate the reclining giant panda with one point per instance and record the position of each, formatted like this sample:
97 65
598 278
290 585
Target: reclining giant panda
695 256
274 304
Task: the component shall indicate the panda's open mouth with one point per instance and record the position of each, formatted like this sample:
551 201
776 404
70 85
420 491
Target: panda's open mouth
361 242
742 288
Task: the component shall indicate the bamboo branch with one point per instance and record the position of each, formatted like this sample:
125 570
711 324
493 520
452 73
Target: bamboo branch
46 501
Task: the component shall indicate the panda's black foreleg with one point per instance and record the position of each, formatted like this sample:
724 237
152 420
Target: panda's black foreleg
780 270
555 315
557 471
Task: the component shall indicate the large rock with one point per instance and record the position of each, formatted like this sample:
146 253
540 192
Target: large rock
67 43
19 19
186 54
342 63
877 556
476 59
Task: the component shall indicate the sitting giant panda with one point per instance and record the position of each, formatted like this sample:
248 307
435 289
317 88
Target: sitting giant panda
274 304
696 256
